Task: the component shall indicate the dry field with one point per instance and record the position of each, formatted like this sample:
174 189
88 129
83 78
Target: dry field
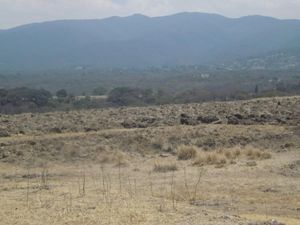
209 164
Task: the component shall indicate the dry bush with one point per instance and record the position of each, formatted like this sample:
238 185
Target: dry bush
232 153
163 168
118 158
266 155
222 156
228 155
252 153
222 161
213 158
236 152
186 152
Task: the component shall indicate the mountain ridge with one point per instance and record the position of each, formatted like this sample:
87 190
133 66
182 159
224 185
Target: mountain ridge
145 16
141 41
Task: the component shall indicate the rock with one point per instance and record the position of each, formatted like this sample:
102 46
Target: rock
294 165
4 133
4 155
148 120
251 163
217 122
129 124
238 116
143 122
32 143
292 169
164 155
287 145
272 190
266 116
271 222
232 120
56 130
90 129
188 120
208 119
226 217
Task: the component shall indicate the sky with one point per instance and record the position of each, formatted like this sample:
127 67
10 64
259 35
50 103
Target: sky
18 12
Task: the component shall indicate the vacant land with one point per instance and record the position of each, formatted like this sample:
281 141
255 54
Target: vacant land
213 163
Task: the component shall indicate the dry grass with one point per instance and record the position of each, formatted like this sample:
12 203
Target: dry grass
256 154
118 159
163 168
186 152
223 156
120 176
106 194
213 158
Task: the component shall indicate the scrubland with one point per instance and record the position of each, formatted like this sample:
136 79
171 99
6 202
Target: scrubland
213 163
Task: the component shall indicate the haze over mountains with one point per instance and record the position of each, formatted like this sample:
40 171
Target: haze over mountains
140 41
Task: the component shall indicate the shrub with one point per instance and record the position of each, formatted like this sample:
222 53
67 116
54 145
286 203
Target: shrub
237 152
61 93
221 157
250 153
222 161
266 155
228 155
100 91
186 152
118 158
19 96
257 154
124 96
163 168
212 159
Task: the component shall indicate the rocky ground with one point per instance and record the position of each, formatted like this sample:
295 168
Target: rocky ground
240 165
280 111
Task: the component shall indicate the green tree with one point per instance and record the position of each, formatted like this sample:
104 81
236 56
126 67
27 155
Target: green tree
62 93
100 91
131 96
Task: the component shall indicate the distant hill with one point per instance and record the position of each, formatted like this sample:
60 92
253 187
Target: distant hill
141 41
284 59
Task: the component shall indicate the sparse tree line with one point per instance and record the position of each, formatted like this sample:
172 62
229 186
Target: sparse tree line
19 100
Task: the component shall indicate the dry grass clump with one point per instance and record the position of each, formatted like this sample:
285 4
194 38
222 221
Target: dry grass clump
118 158
164 168
266 155
252 153
213 158
236 152
222 156
186 152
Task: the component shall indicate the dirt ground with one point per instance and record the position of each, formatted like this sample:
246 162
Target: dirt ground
53 170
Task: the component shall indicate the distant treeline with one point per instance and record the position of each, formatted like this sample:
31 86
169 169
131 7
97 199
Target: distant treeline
88 88
19 100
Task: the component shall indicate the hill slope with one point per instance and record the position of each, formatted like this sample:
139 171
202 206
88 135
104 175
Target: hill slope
138 41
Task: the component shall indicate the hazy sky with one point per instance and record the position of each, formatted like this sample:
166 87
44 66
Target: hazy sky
16 12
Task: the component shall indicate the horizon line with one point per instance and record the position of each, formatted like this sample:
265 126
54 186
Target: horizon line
147 16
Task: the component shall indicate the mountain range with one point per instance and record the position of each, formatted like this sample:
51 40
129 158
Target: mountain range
141 41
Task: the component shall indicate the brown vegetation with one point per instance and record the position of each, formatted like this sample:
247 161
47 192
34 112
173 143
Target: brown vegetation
223 156
163 168
186 152
98 172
